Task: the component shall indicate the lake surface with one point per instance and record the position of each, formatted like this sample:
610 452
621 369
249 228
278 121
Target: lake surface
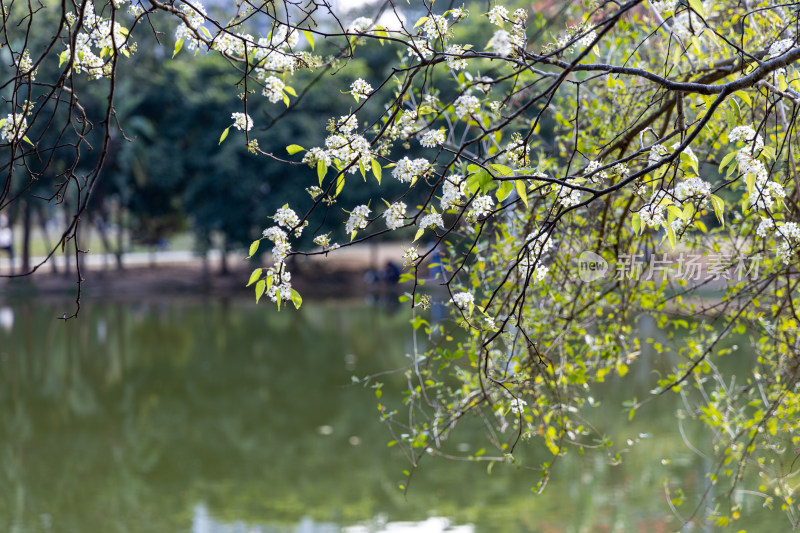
216 416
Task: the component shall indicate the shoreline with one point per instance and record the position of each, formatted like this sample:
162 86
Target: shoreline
340 274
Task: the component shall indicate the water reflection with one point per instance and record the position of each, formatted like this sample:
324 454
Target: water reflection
170 416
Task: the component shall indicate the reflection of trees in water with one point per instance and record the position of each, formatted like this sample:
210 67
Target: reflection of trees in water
125 419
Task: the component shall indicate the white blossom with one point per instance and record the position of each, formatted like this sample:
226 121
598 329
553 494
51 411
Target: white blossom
358 219
765 226
360 89
692 187
436 27
518 406
323 240
498 15
431 221
779 47
408 170
286 217
502 43
432 138
481 206
395 215
315 156
463 300
242 121
273 89
466 104
359 25
454 57
451 192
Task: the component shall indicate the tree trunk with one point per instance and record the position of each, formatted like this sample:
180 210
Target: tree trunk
46 236
224 271
26 237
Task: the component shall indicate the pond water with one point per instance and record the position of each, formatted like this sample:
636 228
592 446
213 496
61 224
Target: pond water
215 416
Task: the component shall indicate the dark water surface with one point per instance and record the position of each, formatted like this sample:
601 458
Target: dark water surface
219 416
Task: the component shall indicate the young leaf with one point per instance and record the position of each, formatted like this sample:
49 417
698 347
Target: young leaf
697 6
254 276
420 231
294 148
309 38
376 170
339 184
719 208
261 286
254 248
297 300
726 160
523 194
178 46
224 134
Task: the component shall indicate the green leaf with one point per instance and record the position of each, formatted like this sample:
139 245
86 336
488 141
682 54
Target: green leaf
62 58
286 100
376 170
726 161
523 194
719 208
261 287
420 231
290 90
503 170
205 31
294 148
672 240
420 22
297 300
482 181
321 171
503 190
254 248
178 46
309 38
339 184
25 138
254 277
362 169
697 6
224 134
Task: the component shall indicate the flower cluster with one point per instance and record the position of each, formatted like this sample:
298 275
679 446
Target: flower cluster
358 219
790 235
480 207
432 138
779 47
96 34
395 215
567 195
463 300
692 188
466 104
518 406
409 170
273 89
323 240
315 156
452 191
242 121
431 221
454 57
517 151
286 217
360 89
